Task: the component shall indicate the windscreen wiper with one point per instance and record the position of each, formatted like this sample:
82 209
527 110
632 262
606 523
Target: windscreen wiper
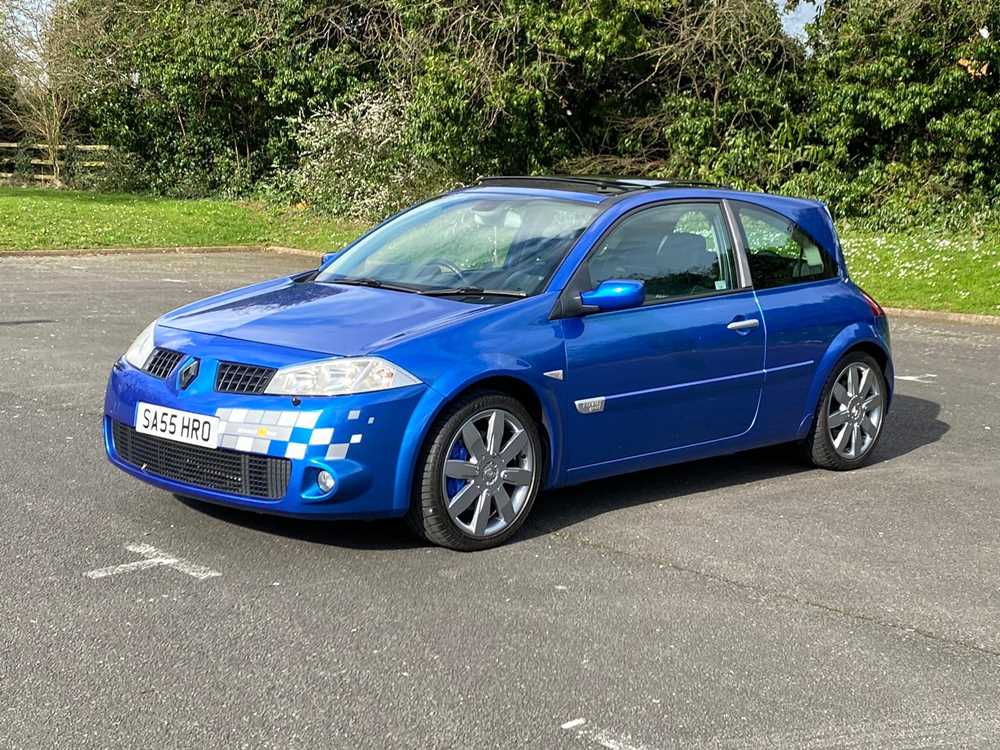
373 283
472 291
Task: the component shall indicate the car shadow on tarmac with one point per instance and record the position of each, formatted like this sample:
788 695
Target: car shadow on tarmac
391 534
913 423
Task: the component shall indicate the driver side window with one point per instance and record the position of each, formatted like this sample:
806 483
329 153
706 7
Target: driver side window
679 250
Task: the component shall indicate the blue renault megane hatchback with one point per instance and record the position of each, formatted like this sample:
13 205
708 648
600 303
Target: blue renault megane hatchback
520 334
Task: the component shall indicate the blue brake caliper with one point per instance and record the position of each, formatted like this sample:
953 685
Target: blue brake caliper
458 453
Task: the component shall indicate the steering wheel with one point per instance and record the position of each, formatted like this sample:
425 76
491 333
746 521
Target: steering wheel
448 266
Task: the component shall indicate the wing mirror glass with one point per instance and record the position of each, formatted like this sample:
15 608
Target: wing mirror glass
614 294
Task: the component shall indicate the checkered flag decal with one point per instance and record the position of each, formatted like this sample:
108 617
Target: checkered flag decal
283 434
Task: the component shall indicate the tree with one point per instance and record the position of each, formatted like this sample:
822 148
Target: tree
7 86
892 103
510 85
904 106
39 37
207 94
715 96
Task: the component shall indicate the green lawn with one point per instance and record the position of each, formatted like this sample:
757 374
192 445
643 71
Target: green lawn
43 219
929 270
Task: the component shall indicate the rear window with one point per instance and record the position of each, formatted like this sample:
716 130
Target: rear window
779 253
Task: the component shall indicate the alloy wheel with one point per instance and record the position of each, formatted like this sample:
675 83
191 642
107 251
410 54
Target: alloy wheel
854 411
489 473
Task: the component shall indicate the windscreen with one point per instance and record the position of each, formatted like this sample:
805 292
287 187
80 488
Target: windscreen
468 240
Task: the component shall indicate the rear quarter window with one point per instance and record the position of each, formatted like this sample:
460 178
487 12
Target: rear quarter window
778 252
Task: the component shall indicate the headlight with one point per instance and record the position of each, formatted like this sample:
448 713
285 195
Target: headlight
339 376
141 348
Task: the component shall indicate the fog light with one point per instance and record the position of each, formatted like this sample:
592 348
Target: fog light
325 481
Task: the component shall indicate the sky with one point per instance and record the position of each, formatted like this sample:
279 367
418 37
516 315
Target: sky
795 21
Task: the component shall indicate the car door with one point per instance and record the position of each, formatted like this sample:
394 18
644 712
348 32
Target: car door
805 305
684 368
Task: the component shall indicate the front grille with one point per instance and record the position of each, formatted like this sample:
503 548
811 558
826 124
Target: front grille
162 362
236 378
263 477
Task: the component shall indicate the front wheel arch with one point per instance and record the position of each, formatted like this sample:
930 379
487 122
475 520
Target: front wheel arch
432 517
508 386
541 406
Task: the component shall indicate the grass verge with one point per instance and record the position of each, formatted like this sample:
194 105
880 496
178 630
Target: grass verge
45 219
929 270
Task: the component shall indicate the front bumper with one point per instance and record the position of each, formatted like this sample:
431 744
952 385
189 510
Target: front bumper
362 440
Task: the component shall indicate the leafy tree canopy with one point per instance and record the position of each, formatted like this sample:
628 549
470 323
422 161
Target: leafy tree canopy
888 106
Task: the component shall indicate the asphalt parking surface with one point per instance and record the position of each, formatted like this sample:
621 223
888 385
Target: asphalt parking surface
739 602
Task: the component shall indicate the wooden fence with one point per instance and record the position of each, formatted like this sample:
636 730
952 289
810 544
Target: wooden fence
41 164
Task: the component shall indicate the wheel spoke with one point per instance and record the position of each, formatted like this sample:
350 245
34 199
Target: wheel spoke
494 433
837 418
465 497
520 477
855 439
482 514
473 441
504 506
514 446
841 439
868 427
840 393
872 402
852 381
461 470
867 382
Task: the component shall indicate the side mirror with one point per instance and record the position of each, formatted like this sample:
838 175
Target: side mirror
614 294
327 257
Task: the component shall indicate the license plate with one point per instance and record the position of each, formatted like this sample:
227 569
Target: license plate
181 426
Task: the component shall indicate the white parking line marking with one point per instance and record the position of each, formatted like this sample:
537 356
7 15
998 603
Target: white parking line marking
925 379
154 558
602 737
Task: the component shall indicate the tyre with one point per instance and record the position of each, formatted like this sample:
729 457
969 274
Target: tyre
850 415
479 473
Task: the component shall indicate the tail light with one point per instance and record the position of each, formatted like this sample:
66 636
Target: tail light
875 306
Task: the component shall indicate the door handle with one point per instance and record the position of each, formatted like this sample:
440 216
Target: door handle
741 325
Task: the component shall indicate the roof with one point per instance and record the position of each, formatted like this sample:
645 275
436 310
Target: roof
594 184
599 188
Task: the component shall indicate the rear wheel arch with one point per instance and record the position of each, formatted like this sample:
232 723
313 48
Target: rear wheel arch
876 352
854 338
881 356
859 408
